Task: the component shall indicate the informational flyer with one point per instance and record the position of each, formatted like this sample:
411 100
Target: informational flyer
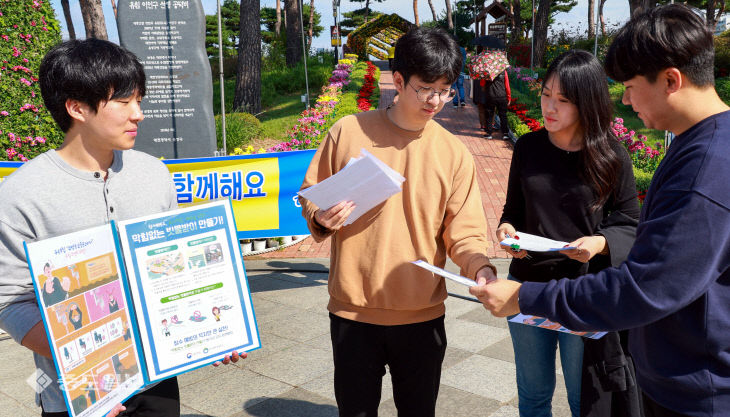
182 302
84 303
544 323
189 288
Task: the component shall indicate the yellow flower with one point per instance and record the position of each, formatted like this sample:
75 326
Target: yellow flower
262 150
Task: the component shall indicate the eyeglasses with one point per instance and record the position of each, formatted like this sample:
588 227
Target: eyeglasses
425 94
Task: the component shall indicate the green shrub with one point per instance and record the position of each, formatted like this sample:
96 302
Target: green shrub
722 85
643 179
516 125
28 29
241 129
722 54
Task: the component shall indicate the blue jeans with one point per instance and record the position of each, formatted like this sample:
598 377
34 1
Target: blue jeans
459 87
535 361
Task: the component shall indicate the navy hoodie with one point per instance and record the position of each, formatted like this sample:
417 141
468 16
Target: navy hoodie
673 291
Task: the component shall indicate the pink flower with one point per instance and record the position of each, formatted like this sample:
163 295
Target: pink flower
4 113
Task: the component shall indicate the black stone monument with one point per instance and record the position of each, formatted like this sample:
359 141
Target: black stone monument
168 37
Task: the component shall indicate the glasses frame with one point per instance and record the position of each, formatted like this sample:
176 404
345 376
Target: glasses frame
449 93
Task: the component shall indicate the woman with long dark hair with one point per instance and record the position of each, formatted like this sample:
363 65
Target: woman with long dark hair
571 181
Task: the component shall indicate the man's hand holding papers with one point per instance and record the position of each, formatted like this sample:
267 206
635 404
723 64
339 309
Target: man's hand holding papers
345 196
334 217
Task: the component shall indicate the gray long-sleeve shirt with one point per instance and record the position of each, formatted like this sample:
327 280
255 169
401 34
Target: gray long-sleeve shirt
48 197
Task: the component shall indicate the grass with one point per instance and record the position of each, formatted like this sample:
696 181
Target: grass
279 111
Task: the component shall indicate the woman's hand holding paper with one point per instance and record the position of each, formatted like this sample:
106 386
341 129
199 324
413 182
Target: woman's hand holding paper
504 231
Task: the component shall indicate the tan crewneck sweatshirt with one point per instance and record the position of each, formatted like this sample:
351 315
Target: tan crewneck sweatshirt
438 213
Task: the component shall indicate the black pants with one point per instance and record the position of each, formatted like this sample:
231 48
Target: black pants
162 400
501 105
652 409
413 352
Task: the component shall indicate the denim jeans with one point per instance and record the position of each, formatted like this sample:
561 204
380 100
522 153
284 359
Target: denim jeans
459 87
535 362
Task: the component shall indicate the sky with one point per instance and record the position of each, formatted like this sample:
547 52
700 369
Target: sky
616 12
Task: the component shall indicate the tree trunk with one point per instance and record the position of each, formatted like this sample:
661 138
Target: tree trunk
293 33
591 19
449 17
69 20
515 9
277 27
602 17
433 10
248 75
114 7
638 6
367 10
540 31
415 12
711 16
311 25
93 16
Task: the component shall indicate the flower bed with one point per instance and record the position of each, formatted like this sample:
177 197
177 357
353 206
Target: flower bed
310 125
363 98
351 89
29 29
520 110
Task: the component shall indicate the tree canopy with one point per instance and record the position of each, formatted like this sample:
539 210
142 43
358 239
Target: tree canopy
230 20
268 23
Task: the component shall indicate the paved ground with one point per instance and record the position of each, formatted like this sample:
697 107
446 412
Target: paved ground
492 159
292 374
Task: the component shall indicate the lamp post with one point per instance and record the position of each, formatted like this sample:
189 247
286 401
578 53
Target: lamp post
334 14
304 49
220 71
532 39
598 21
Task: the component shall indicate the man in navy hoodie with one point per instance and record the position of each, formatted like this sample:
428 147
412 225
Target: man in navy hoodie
673 291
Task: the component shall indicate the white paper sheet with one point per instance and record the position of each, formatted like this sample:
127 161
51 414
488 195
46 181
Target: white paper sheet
366 181
526 241
446 274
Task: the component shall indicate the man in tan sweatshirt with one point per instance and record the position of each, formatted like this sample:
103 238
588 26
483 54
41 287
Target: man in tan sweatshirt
383 309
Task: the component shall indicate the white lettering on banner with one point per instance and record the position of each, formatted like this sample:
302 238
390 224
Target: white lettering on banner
213 185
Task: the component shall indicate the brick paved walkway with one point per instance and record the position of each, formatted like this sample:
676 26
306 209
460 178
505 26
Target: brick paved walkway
492 159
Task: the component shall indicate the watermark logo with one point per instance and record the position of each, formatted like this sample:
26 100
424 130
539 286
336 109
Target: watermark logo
39 381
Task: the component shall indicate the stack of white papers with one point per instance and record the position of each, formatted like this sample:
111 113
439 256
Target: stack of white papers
366 180
526 241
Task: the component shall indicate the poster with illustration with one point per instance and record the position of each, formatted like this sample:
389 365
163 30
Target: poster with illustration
189 287
80 290
544 323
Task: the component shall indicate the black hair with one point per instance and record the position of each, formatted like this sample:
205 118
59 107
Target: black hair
583 82
663 37
429 53
91 71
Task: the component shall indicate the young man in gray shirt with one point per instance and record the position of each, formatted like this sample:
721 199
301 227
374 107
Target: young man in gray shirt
93 89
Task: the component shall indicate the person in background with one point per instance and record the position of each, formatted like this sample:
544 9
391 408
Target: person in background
570 181
458 86
497 95
479 97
